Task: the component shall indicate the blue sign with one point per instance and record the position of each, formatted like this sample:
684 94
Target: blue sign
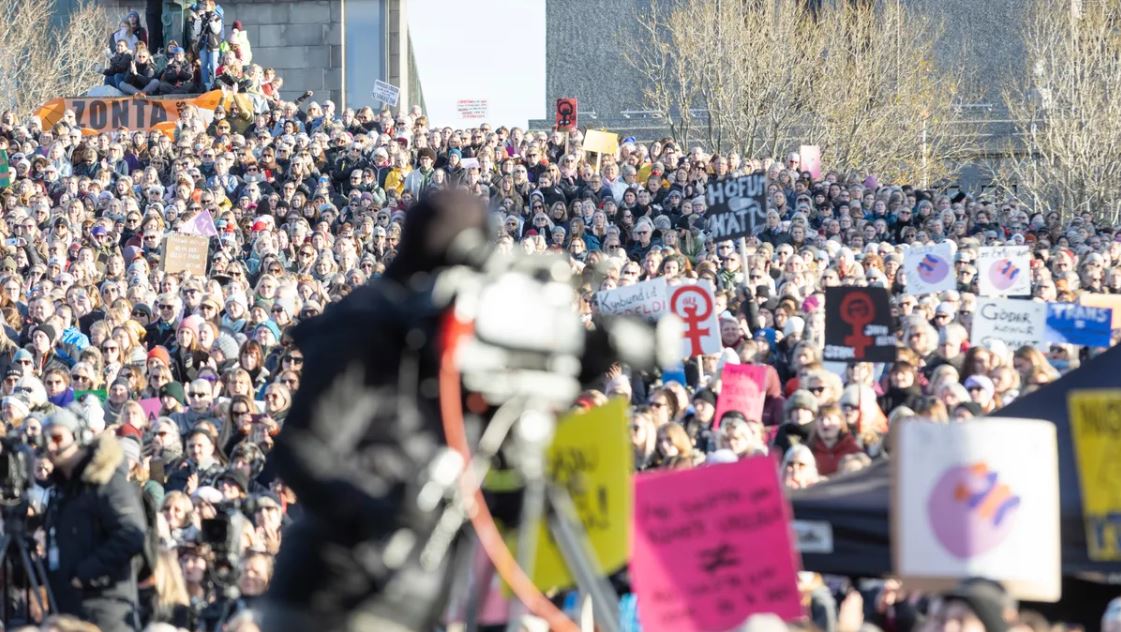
1076 324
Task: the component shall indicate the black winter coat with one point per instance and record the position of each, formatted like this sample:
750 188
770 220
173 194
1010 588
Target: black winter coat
95 521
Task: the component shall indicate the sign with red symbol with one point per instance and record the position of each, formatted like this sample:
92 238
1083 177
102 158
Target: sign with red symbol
566 114
969 499
858 325
930 269
694 305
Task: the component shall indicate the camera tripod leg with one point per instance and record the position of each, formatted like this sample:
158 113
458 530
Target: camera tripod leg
37 579
572 540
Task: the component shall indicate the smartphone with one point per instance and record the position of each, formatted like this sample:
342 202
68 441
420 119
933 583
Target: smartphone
156 471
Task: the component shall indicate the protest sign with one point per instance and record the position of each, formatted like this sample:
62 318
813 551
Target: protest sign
736 206
98 393
1075 324
600 141
696 307
712 547
566 114
98 114
591 456
810 158
186 253
646 300
969 499
741 388
930 268
1017 322
858 325
1112 301
1095 426
5 170
386 92
1004 271
151 407
471 108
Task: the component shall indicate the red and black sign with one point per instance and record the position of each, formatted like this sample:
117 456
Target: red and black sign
566 114
858 325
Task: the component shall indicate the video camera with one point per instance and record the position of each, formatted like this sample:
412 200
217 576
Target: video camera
16 463
223 534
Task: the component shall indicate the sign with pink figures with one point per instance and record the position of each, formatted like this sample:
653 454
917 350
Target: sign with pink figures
970 499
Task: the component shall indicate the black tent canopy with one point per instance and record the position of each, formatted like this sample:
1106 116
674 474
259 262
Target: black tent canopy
843 525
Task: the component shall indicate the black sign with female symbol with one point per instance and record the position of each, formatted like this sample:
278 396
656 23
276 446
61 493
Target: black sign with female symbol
858 325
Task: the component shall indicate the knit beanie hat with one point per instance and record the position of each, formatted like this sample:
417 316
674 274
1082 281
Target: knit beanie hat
800 398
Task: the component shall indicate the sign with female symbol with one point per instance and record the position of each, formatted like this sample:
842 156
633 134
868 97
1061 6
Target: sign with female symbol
858 325
929 268
694 305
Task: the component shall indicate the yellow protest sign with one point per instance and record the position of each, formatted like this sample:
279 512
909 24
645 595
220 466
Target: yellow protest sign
591 455
601 142
1095 425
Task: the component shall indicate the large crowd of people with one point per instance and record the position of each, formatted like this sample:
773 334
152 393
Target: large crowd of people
185 380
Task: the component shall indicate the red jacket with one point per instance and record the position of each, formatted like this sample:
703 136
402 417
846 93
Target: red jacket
829 458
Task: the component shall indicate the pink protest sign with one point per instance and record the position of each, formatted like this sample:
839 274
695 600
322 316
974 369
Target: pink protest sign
151 407
712 547
741 388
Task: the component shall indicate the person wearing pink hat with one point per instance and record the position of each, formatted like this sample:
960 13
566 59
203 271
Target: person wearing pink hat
187 354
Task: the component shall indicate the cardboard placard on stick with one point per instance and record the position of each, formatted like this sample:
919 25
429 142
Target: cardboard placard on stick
601 142
186 253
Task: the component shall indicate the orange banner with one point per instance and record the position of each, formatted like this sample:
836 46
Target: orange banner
98 114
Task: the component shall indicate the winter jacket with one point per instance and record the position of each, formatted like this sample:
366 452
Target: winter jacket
144 74
95 528
829 458
118 63
177 74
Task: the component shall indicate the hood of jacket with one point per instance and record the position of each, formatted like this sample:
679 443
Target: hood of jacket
105 456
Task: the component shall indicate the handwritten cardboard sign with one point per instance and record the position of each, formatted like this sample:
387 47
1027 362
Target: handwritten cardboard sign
712 547
969 499
695 306
1095 425
1004 271
1076 324
591 455
186 253
1016 322
930 268
858 325
741 389
648 300
386 92
601 142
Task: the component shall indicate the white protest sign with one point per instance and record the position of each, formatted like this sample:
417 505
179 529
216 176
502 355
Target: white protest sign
1004 271
1017 322
930 268
647 300
695 306
386 92
969 499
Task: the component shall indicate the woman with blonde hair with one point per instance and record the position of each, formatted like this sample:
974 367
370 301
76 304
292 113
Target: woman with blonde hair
172 604
1034 369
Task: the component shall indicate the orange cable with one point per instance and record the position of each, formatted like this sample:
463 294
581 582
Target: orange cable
451 414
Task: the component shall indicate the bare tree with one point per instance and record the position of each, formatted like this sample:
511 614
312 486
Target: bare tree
1068 114
40 63
773 74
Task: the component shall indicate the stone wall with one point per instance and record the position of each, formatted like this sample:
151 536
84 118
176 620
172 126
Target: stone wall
302 39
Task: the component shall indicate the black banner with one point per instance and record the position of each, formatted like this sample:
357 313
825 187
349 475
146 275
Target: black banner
736 206
858 325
